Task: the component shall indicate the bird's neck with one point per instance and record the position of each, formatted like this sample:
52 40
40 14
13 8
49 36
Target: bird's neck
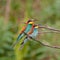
35 29
29 25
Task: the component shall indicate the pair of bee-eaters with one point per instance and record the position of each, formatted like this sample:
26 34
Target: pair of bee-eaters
30 28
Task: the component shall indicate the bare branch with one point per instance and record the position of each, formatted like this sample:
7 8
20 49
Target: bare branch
50 28
42 32
41 42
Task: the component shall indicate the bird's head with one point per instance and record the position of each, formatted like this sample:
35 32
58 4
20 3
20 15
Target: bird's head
36 26
30 21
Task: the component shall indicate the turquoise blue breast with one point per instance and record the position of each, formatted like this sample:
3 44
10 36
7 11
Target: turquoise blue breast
35 33
28 28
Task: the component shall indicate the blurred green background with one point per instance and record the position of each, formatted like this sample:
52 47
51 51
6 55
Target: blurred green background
13 13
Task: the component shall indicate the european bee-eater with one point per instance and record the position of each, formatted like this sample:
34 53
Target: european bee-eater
33 33
26 29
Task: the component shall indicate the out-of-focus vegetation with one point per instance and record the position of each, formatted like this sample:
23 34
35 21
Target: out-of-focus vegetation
13 13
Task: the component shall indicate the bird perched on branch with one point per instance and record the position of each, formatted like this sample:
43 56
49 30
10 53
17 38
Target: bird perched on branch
33 33
26 29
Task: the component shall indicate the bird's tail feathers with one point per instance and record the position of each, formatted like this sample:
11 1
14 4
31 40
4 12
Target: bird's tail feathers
13 45
22 46
19 38
23 43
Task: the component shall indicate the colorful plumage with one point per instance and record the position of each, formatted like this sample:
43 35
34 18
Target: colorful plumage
25 29
33 33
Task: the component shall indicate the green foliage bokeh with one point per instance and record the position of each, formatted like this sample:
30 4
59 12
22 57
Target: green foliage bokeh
46 12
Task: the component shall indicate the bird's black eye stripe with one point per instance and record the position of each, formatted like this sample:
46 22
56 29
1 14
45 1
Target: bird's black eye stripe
29 21
35 25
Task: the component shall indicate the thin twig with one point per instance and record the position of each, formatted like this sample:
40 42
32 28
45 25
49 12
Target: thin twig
50 28
41 42
49 32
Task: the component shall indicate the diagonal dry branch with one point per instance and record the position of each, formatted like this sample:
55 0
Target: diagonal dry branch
42 32
49 28
41 42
